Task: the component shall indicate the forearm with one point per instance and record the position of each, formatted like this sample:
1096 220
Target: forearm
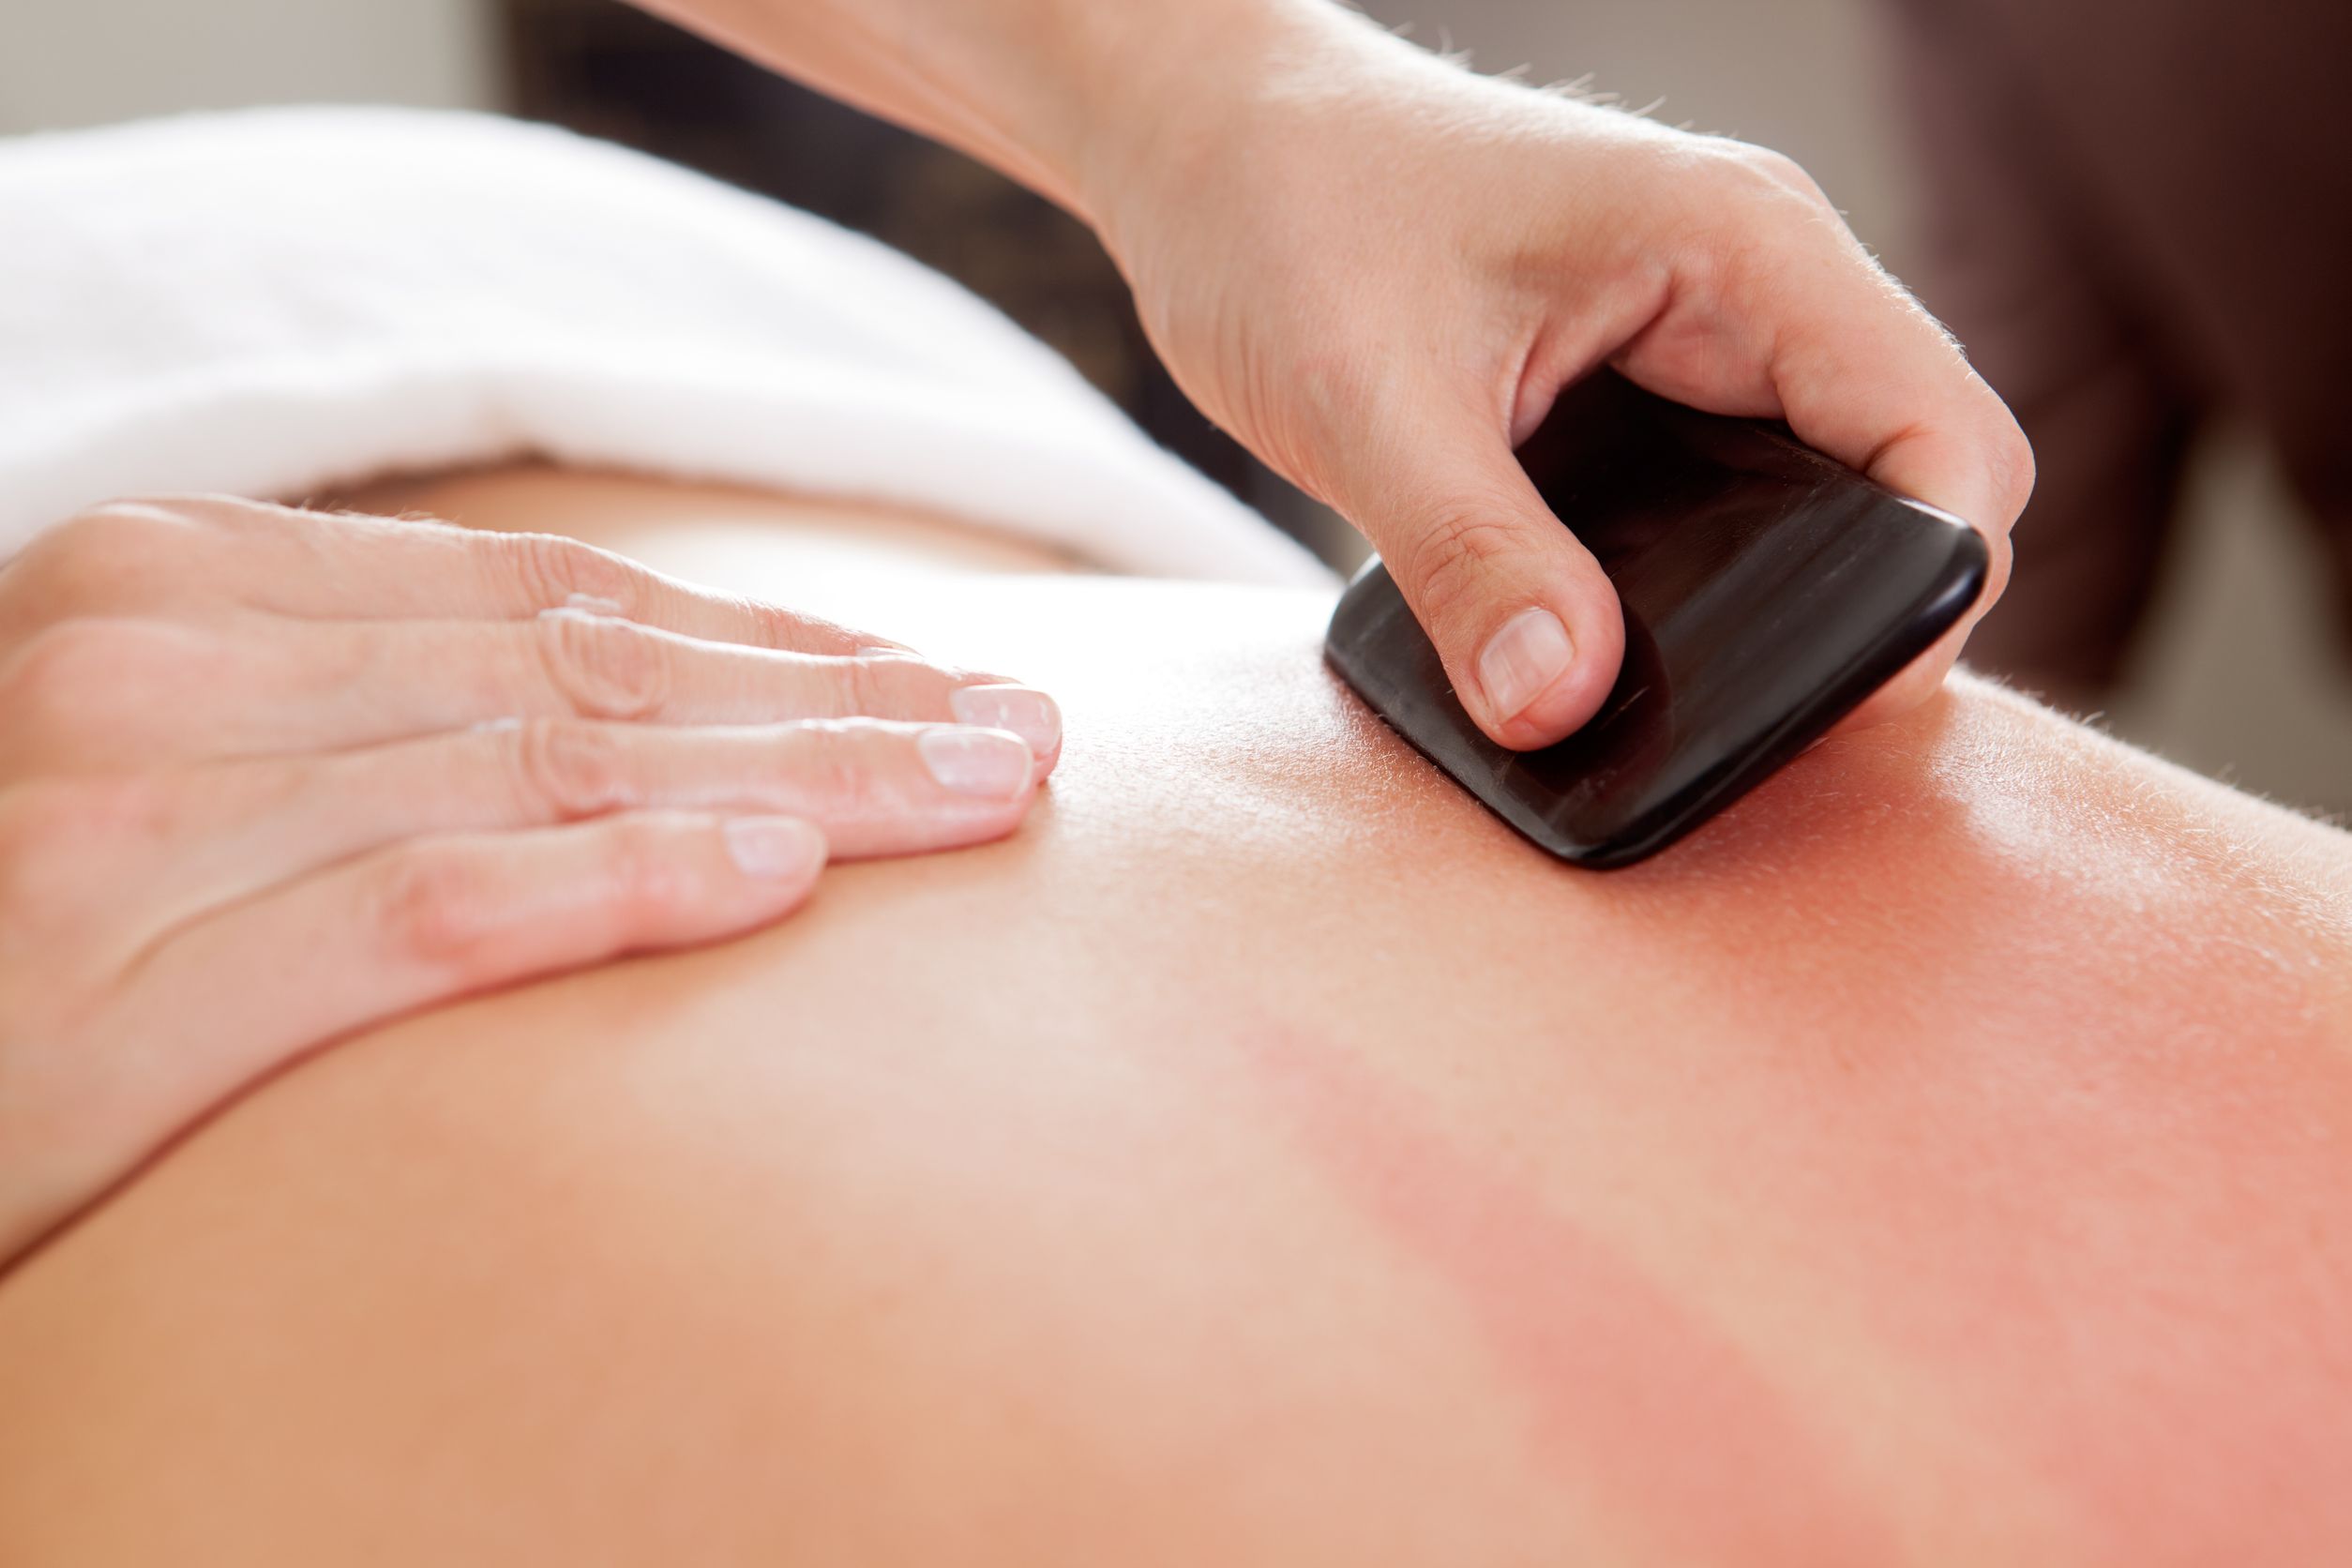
1068 97
1376 272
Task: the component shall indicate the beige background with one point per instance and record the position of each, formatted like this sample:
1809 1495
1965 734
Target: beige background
85 62
2240 678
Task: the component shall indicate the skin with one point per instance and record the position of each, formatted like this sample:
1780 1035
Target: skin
1378 270
430 762
1264 1156
181 675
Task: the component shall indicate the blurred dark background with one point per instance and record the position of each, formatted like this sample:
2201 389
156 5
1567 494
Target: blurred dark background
603 68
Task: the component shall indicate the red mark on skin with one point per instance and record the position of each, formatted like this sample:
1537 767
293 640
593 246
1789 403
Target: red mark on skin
1631 1394
2129 1258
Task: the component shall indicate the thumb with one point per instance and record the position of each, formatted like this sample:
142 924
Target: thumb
1521 613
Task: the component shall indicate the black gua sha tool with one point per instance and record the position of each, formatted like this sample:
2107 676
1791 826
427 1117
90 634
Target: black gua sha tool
1767 591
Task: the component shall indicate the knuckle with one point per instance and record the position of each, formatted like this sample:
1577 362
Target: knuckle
872 686
23 827
62 844
136 520
646 874
1756 215
838 765
73 674
555 572
773 626
123 812
52 666
34 857
435 907
1450 557
1771 173
607 668
120 554
2014 466
569 769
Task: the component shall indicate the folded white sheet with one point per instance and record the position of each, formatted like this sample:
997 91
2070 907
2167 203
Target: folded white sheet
276 302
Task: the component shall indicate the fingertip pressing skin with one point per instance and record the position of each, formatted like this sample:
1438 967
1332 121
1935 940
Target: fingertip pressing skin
354 767
1031 715
872 786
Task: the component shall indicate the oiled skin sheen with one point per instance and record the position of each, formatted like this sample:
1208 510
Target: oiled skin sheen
1265 1157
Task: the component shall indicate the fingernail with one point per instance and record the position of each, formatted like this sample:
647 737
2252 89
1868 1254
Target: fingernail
886 650
1523 660
986 763
773 847
1030 714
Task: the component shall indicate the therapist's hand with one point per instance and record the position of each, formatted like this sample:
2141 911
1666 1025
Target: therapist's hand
267 776
1377 270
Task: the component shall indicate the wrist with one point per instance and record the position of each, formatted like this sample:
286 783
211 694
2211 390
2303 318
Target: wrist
1168 88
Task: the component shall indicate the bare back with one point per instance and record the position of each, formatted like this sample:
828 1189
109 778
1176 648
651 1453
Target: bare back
1264 1156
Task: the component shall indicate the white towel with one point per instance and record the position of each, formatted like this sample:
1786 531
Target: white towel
277 302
